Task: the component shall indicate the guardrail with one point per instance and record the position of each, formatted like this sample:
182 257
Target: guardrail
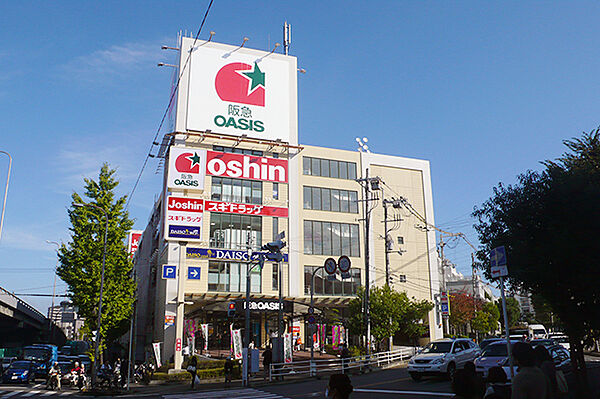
338 365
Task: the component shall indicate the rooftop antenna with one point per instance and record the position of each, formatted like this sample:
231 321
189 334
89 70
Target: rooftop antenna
287 37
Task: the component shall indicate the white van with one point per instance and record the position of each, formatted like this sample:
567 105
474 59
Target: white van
537 331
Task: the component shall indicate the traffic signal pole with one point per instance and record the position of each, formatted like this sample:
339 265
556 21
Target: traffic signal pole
261 261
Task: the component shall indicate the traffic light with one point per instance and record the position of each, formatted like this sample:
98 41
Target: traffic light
274 249
231 309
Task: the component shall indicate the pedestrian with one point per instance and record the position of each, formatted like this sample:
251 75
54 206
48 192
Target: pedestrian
191 368
124 372
228 368
530 382
339 387
477 384
497 387
544 361
201 341
267 360
345 355
462 385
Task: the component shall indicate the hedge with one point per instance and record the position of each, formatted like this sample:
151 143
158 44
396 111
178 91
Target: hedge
203 374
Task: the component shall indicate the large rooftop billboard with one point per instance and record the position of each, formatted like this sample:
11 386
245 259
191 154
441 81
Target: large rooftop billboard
239 91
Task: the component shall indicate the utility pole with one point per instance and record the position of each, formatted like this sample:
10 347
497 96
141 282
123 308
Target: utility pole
444 318
386 239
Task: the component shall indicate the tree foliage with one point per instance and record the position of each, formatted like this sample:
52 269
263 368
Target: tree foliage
486 318
513 312
391 312
81 258
548 222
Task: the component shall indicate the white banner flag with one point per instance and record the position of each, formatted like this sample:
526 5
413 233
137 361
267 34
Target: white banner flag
156 347
287 347
237 344
205 335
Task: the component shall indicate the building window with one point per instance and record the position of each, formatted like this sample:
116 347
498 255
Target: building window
275 190
231 277
275 228
236 190
326 199
339 287
235 231
328 168
275 285
236 150
329 238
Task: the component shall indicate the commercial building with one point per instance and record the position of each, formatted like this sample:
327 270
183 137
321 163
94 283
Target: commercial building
66 318
236 178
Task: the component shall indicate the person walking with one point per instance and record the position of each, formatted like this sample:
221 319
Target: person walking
339 387
544 361
191 368
267 360
497 387
530 382
345 355
228 368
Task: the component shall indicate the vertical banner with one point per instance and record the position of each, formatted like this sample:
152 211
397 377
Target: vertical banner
322 341
231 339
287 347
205 335
156 347
335 337
237 344
316 341
342 335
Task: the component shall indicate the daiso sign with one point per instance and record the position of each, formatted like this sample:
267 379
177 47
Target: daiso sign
251 167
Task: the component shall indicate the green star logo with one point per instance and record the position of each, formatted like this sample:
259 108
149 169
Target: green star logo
195 159
256 76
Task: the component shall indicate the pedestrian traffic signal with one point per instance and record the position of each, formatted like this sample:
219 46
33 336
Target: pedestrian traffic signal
231 309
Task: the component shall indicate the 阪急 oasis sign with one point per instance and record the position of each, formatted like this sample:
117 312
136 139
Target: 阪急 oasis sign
187 167
241 91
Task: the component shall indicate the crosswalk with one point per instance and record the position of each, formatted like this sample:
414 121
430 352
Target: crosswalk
37 391
247 393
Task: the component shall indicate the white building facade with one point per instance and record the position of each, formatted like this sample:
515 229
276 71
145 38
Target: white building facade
237 178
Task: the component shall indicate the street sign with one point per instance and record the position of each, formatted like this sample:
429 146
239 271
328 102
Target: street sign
311 310
311 319
445 310
498 262
330 266
331 277
346 275
169 272
193 273
344 263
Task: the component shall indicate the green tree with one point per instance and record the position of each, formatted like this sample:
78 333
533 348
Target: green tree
391 312
548 223
81 259
513 312
486 319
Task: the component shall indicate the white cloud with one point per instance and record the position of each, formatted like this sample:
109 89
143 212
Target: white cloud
113 63
26 238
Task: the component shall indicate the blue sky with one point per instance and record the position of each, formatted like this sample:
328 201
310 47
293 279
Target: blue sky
484 90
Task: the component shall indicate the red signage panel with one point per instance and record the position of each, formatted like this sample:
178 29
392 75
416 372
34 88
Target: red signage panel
245 209
185 204
240 166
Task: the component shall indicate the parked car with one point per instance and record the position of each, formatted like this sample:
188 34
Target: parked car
442 357
20 371
561 339
494 354
537 331
548 343
560 356
488 341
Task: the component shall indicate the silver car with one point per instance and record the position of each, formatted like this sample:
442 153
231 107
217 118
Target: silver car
442 357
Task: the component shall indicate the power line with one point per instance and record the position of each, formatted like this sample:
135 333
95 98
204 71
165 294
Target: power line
162 121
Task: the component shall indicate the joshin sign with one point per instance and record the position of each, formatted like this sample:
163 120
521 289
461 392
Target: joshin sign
242 91
187 168
184 218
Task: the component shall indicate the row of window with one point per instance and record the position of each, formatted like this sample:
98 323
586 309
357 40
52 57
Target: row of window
327 238
327 199
328 168
235 231
231 277
323 286
236 190
237 150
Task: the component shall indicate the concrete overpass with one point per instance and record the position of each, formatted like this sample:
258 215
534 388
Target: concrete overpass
21 324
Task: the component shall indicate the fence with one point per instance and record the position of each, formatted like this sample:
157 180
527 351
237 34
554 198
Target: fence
339 365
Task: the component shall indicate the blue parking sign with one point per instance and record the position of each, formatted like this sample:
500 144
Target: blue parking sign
169 271
498 257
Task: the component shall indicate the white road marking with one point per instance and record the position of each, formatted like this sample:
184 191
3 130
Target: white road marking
8 395
444 394
248 393
31 393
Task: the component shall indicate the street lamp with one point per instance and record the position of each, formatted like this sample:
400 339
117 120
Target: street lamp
53 289
5 190
96 345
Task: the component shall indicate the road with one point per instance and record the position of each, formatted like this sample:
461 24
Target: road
384 384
